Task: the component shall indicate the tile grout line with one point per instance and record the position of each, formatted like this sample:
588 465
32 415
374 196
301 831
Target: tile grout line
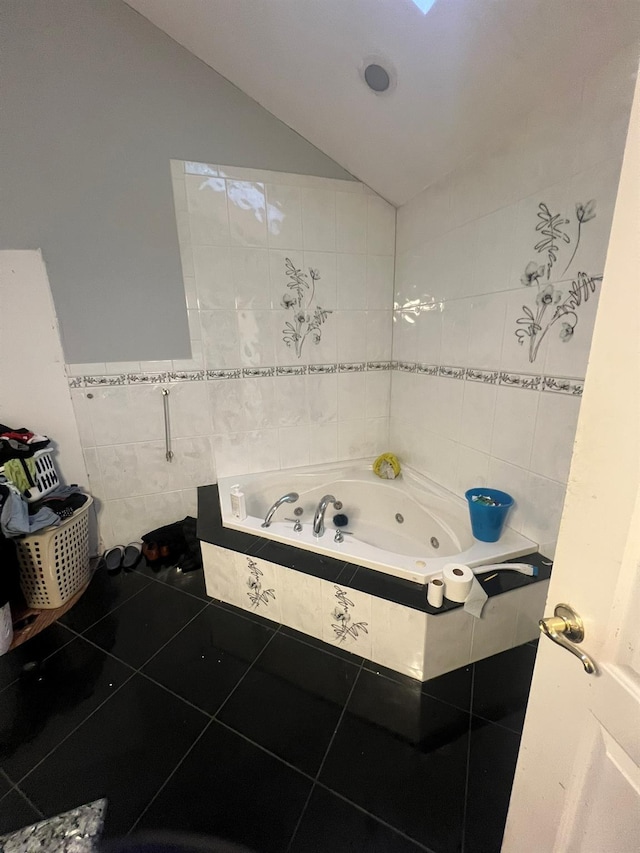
244 674
29 800
75 728
395 829
169 777
326 753
104 616
134 671
172 637
466 774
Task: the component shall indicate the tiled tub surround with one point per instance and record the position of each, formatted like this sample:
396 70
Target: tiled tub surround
379 617
471 251
245 401
409 527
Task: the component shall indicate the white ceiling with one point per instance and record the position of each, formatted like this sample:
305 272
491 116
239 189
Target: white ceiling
466 71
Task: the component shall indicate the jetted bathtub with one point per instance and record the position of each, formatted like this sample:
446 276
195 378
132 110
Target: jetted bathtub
408 527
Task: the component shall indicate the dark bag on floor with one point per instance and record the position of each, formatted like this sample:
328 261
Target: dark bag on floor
182 543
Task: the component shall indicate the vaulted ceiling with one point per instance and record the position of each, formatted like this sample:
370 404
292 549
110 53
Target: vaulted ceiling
466 71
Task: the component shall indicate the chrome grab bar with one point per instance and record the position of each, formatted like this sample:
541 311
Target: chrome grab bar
167 425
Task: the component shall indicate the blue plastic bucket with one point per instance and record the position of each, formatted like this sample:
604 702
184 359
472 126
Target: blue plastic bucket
487 521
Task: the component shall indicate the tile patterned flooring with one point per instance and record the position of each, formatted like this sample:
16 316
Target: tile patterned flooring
192 716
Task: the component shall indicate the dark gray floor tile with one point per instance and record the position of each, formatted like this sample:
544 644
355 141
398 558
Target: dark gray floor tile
331 824
144 623
124 751
290 701
205 660
227 788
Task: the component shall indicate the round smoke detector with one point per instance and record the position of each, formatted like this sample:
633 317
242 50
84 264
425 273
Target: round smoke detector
378 74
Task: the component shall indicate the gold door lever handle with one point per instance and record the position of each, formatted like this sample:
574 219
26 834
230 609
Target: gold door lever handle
565 628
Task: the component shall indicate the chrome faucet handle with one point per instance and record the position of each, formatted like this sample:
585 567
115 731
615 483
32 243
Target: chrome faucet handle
297 524
340 534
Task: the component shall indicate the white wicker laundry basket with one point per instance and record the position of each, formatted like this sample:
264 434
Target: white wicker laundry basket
54 562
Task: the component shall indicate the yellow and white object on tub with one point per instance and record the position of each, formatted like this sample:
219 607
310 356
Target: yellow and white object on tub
387 466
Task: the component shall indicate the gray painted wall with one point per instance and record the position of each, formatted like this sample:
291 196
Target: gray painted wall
94 102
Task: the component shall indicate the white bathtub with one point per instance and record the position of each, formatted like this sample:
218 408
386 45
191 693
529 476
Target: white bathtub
434 529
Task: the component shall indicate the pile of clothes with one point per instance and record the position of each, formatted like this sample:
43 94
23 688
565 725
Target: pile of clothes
18 476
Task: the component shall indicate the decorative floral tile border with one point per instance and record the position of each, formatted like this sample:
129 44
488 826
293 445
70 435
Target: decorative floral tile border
228 373
537 382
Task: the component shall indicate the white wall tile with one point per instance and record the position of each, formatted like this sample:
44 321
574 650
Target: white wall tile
301 602
119 467
350 611
294 446
380 281
220 339
514 425
207 203
351 223
323 443
261 585
351 437
478 412
473 469
195 328
326 286
319 220
381 223
351 396
279 280
256 338
429 323
214 283
399 637
82 412
189 409
447 408
129 519
161 509
352 336
448 642
493 255
554 435
229 454
379 335
284 216
517 353
221 575
291 400
351 281
322 398
378 394
486 330
262 450
251 280
495 631
455 332
570 356
376 436
247 213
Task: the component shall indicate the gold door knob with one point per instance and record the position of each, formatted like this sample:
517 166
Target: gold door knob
565 628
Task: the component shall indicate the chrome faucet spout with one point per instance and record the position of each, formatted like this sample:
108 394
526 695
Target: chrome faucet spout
289 498
318 518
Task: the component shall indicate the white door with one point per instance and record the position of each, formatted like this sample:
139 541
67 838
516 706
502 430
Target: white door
577 783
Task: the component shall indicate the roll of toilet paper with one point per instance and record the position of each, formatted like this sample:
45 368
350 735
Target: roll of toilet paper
458 580
435 592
